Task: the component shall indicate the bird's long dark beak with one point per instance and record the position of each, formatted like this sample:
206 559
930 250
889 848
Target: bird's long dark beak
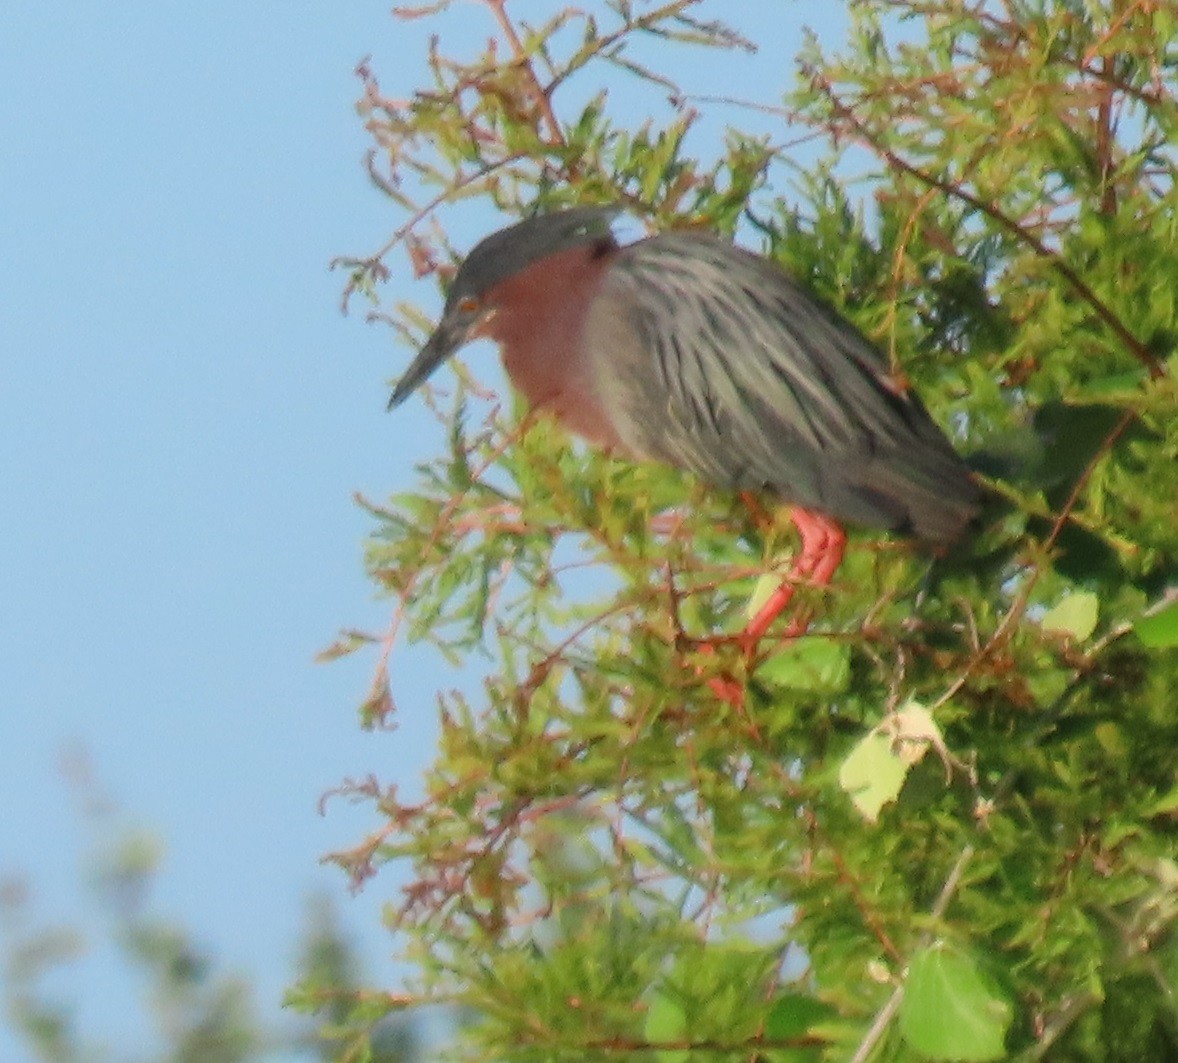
447 338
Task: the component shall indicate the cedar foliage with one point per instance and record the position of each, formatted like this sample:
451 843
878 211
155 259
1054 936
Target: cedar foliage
943 824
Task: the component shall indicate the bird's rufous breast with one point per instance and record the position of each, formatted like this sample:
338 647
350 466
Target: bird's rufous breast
538 320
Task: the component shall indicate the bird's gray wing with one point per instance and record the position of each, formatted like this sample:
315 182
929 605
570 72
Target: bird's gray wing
715 360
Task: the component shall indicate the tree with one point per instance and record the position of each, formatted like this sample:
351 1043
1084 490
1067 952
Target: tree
191 1009
943 824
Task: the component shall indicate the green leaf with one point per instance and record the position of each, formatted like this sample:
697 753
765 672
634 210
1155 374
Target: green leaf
812 664
1166 805
1159 630
762 591
1075 616
793 1017
872 775
952 1009
793 1014
666 1021
1115 385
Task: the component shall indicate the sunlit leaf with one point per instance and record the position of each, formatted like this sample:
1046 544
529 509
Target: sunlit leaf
873 774
952 1009
1074 616
1166 805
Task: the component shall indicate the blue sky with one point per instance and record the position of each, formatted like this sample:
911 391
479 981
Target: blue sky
184 416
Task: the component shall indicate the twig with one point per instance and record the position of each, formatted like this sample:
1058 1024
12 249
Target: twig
499 9
885 1014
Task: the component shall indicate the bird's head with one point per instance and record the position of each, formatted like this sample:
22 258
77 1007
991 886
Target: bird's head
471 304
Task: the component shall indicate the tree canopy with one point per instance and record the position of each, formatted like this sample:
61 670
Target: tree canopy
941 825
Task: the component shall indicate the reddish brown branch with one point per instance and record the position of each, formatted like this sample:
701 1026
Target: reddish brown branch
499 9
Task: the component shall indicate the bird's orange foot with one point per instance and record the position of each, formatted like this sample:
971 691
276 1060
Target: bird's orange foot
823 542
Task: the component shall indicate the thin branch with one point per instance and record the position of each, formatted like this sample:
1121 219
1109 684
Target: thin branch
609 45
374 260
956 191
1073 1007
685 1045
499 9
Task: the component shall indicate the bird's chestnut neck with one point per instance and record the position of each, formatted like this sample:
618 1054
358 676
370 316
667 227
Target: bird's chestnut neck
538 318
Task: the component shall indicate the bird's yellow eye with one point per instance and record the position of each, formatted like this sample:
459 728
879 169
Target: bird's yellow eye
468 304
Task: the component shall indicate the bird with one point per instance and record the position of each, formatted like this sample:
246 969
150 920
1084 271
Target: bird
687 349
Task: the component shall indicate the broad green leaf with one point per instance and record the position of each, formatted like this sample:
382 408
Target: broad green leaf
793 1017
952 1009
1112 740
1075 615
873 774
666 1021
1159 630
793 1014
812 664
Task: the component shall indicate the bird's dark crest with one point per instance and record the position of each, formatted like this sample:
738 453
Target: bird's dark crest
509 251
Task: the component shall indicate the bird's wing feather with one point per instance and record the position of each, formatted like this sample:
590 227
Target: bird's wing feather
722 364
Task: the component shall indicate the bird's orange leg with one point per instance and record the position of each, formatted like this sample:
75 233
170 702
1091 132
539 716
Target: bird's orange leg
823 542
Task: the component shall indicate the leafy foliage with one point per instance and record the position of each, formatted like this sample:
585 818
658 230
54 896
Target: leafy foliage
609 858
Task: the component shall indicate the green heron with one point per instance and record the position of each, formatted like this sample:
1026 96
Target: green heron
685 349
